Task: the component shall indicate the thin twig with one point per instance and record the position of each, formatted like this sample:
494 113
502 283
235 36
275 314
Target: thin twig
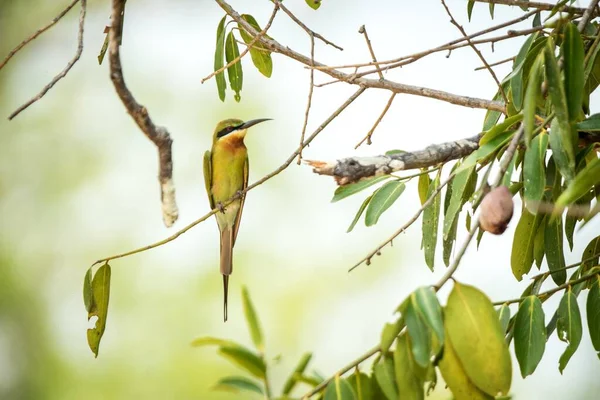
38 33
509 59
545 295
548 273
370 133
157 134
66 70
275 46
248 47
306 28
310 94
277 171
363 30
476 50
342 371
534 4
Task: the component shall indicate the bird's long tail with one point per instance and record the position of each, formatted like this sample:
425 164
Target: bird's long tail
226 264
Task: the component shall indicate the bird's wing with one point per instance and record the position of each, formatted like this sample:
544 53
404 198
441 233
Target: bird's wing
208 177
238 217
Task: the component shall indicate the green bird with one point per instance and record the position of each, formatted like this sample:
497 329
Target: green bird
225 175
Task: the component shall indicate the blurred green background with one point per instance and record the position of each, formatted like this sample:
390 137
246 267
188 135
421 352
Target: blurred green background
78 182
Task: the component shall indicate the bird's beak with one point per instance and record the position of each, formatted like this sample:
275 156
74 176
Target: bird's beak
253 122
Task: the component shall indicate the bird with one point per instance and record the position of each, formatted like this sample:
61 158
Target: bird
225 176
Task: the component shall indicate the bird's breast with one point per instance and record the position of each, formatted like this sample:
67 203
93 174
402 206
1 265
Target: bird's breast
228 163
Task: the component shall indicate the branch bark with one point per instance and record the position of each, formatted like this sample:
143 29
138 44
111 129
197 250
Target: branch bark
157 134
353 169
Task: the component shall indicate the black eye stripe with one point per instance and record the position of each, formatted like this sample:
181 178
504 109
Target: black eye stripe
226 131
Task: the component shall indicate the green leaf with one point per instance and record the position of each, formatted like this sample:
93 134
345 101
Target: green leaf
431 217
470 5
88 295
234 72
252 320
408 374
386 378
261 56
428 307
424 182
553 244
491 7
104 47
498 129
382 199
213 341
360 211
562 141
568 327
455 376
292 380
245 359
537 20
389 333
530 335
534 168
582 184
592 250
521 257
314 4
516 82
592 124
531 97
484 150
492 117
593 313
539 249
348 190
220 77
236 384
570 223
504 316
573 56
475 332
362 386
338 388
448 243
458 185
419 335
99 306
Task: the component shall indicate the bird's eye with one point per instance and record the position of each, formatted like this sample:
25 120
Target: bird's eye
226 131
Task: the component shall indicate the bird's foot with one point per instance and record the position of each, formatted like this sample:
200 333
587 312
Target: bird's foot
239 194
220 207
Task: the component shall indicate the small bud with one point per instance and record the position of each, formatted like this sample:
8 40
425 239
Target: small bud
496 210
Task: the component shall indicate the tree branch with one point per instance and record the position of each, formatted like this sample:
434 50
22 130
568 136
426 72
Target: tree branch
534 4
66 70
157 134
353 169
392 86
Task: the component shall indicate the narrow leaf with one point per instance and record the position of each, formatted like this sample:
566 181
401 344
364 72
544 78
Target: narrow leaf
99 306
531 97
431 217
219 56
88 295
386 378
338 388
593 313
591 254
419 334
213 341
521 257
592 124
585 180
504 316
470 5
534 168
234 72
360 211
486 149
499 129
261 57
553 244
424 182
530 335
252 320
408 376
382 199
236 384
348 190
428 307
389 333
458 185
573 56
245 359
291 382
362 386
539 249
568 327
516 82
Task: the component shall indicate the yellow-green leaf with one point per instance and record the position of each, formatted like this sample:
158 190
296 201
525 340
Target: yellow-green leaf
521 257
235 384
386 378
252 320
423 186
458 187
419 334
314 4
408 374
592 124
573 57
339 389
234 72
348 190
534 168
504 316
88 295
389 333
261 56
291 382
530 335
431 217
362 386
103 49
219 56
538 243
582 184
382 199
486 149
475 332
428 307
591 254
593 313
553 244
516 82
499 129
360 211
568 327
245 359
98 306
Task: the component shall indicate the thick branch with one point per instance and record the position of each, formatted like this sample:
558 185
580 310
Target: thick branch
157 134
395 87
353 169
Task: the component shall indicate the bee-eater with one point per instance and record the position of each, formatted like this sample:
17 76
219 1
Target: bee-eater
226 174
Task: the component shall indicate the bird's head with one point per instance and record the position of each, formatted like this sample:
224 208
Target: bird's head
230 128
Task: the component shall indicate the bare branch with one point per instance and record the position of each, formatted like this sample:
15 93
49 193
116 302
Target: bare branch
363 30
310 94
396 87
66 70
534 4
38 33
157 134
481 57
509 59
306 28
353 169
370 133
587 15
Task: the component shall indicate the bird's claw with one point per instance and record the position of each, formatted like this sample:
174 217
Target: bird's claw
239 194
221 207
